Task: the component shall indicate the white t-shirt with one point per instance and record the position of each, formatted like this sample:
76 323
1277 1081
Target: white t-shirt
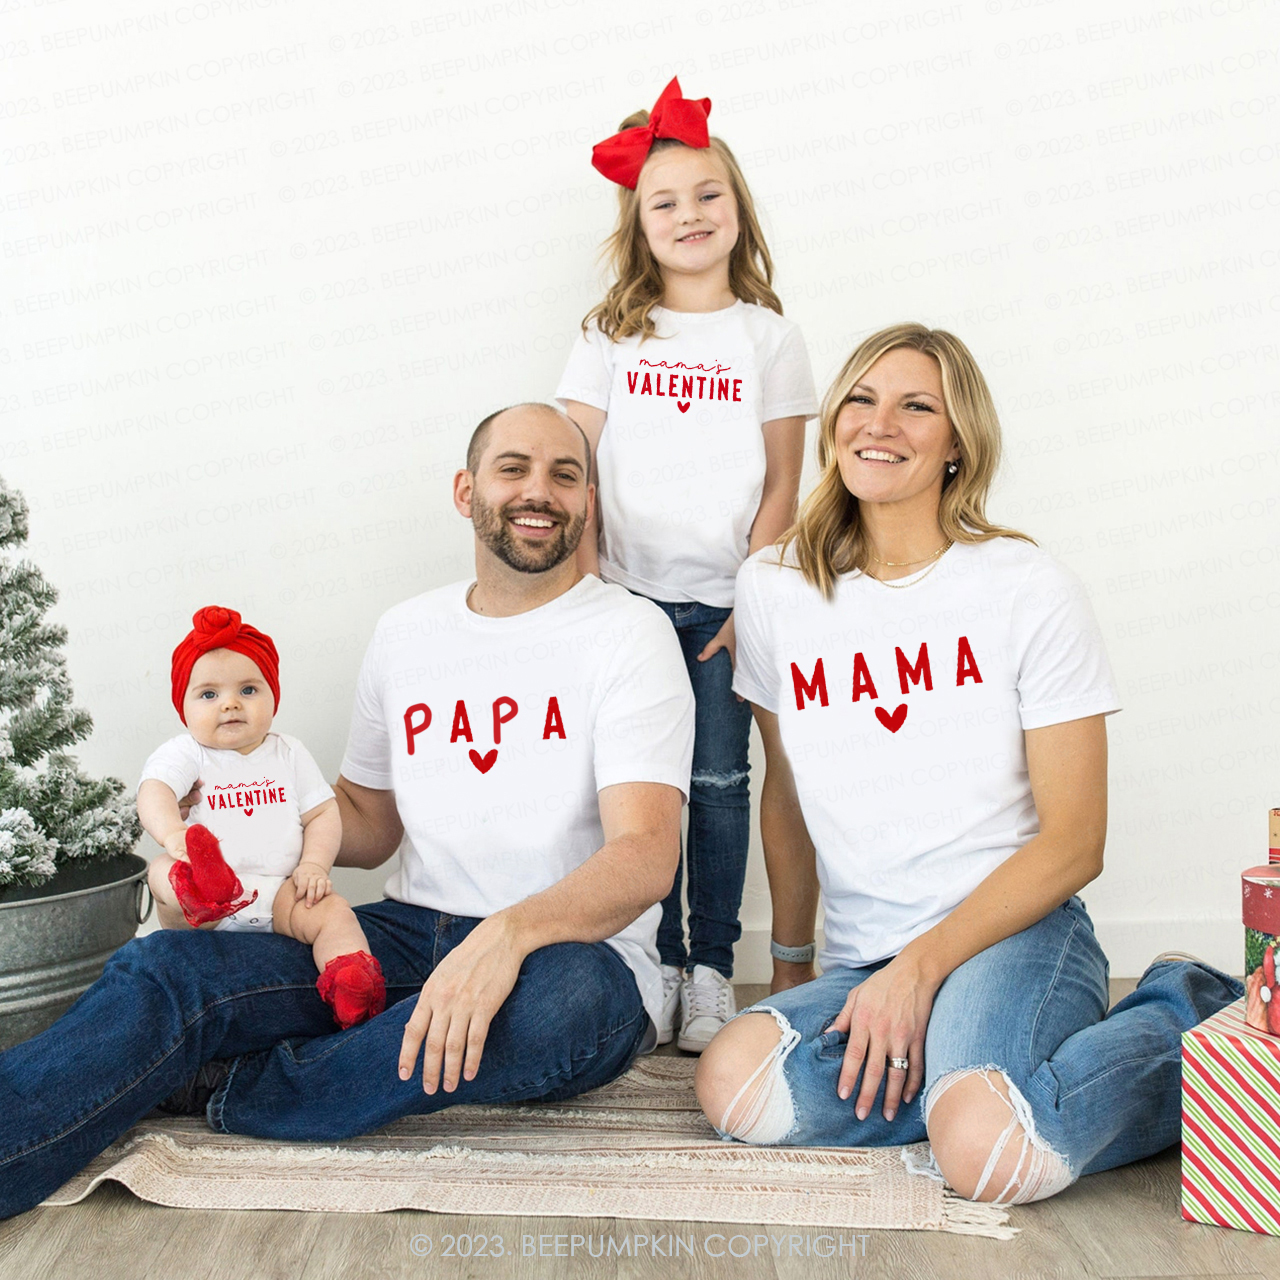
913 794
681 455
496 734
253 803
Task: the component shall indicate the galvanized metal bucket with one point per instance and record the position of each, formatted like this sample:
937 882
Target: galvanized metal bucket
55 940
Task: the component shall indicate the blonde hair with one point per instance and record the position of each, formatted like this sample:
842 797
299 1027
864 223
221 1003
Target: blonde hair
827 539
637 280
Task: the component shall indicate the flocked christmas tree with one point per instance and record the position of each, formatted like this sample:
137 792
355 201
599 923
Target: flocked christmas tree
50 813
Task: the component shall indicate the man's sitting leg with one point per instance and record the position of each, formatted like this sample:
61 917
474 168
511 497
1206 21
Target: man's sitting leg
165 1004
573 1021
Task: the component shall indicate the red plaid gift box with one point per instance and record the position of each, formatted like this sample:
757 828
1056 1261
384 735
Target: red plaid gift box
1231 1124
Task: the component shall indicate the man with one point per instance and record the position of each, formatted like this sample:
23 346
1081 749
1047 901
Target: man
525 741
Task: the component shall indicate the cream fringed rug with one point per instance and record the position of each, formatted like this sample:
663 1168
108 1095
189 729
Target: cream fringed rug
638 1148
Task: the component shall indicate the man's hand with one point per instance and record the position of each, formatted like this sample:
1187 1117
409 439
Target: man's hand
311 881
190 800
457 1004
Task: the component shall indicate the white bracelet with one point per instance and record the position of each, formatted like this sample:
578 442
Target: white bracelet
792 955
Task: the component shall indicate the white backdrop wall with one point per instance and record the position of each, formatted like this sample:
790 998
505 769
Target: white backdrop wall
264 264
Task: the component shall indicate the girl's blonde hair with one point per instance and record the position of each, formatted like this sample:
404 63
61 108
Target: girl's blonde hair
637 286
827 539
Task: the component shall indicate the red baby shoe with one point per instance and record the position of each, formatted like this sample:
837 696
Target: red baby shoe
205 886
354 987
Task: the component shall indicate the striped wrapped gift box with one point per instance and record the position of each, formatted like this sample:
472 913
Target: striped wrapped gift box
1231 1124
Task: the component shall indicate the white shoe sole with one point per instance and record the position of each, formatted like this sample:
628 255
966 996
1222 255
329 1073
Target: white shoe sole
692 1046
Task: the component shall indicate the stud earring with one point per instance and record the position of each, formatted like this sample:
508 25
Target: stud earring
952 468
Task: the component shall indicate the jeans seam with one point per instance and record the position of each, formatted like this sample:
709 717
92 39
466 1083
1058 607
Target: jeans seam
138 1079
1031 1066
1111 1067
213 1112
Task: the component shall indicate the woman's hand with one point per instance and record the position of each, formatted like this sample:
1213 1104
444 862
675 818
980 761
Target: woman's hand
886 1017
311 881
723 639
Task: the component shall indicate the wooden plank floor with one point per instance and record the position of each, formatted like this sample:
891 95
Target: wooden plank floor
1122 1225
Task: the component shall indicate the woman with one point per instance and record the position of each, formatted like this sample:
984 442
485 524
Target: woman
932 691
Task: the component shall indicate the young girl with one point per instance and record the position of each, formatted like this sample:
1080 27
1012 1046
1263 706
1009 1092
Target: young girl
694 392
264 797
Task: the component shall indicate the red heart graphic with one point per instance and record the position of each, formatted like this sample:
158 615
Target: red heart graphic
683 405
483 762
248 809
891 722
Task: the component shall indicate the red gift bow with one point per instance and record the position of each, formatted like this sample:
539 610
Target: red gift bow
621 157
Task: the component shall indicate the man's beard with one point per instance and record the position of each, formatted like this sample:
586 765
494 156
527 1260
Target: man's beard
492 528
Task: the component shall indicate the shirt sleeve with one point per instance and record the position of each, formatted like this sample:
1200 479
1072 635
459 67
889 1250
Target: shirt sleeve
788 381
588 375
176 763
310 785
644 727
1063 672
367 761
756 674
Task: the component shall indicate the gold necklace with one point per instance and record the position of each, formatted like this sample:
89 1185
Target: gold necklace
901 586
902 564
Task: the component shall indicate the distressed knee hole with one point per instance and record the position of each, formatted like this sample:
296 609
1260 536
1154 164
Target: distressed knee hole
705 778
1005 1165
761 1112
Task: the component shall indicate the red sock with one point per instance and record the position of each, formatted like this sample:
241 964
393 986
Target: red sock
206 887
354 987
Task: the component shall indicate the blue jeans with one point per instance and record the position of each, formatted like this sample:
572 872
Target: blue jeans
715 854
1104 1088
170 1001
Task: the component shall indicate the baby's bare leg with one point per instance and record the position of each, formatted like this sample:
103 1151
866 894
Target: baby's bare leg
167 909
329 927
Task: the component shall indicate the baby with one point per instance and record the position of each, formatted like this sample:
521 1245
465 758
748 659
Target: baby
264 798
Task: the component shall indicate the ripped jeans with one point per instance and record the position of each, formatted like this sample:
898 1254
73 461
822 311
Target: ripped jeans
1089 1089
715 854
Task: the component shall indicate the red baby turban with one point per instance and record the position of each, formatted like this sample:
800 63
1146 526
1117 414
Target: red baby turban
216 628
621 157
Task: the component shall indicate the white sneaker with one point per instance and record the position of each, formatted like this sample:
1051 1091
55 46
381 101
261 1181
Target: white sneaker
706 1004
1184 956
672 978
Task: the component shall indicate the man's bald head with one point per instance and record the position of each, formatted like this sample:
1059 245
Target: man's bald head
480 436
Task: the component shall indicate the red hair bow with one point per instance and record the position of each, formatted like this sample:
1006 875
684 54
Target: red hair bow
621 157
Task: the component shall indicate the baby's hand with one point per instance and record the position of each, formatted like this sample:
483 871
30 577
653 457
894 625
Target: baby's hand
311 881
175 844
